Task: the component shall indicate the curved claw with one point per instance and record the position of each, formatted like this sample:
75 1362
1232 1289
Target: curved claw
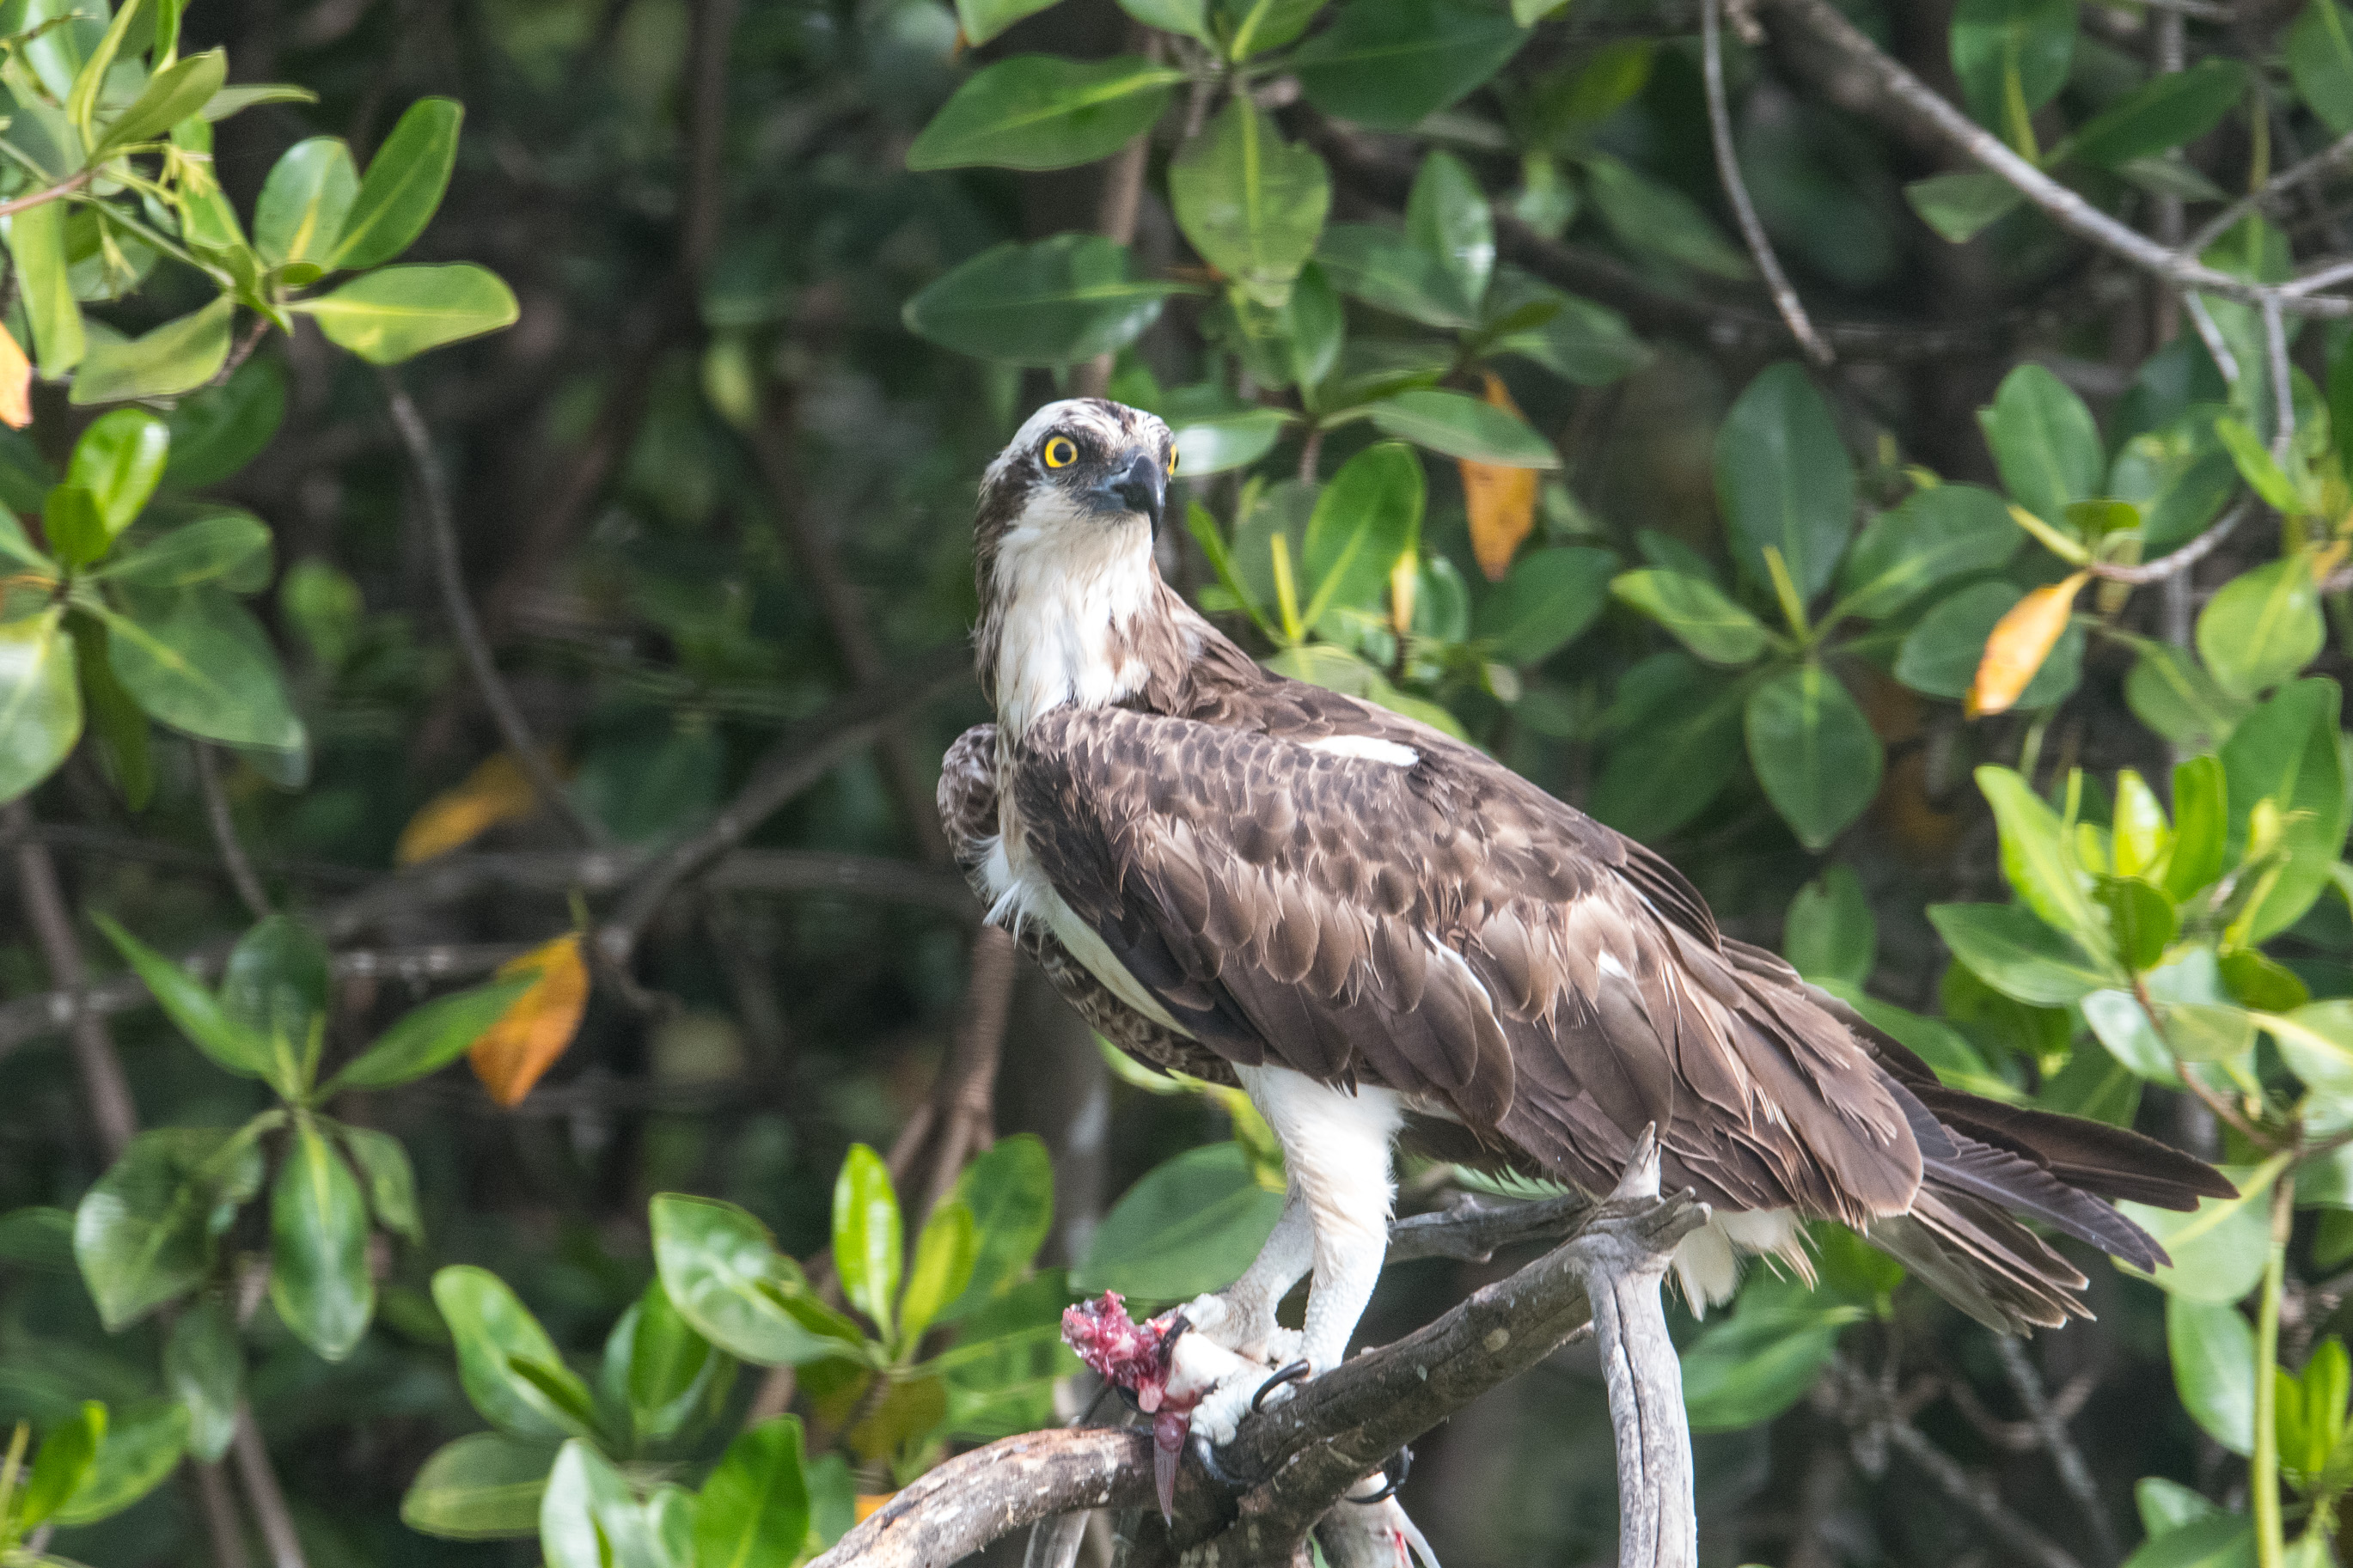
1291 1374
1207 1452
1403 1460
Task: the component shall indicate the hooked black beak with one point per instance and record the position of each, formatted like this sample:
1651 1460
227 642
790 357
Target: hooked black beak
1144 488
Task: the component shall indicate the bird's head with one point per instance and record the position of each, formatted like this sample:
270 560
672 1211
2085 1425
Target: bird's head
1078 468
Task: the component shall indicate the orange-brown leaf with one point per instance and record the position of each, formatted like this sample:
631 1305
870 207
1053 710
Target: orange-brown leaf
869 1501
16 384
538 1026
1501 501
2018 643
496 792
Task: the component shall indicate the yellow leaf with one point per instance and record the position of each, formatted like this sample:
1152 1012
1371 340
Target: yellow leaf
1405 582
538 1026
16 384
868 1502
1501 501
2018 643
496 792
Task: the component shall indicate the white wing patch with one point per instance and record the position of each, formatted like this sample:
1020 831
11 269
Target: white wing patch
1370 748
1025 895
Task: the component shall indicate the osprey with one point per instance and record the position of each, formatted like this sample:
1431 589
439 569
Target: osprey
1373 928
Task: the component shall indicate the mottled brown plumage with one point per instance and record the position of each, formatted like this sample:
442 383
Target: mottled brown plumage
1446 930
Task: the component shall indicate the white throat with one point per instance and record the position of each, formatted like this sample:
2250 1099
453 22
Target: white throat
1069 587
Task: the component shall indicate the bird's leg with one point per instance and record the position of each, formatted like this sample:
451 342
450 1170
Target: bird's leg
1241 1317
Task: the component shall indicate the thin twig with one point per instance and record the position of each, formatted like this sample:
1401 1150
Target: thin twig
262 1494
2176 561
2211 335
103 1083
1735 190
2278 186
223 1530
224 829
2065 1456
2283 385
433 493
62 188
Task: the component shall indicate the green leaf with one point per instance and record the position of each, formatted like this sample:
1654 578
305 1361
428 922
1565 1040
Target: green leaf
427 1039
228 547
191 1006
2170 108
2257 467
2180 474
493 1332
40 700
1934 536
2168 690
1190 1223
2043 441
2214 1352
1830 934
1654 219
205 666
2223 1540
2012 950
397 312
74 526
218 430
1463 426
304 201
275 988
1258 26
1010 1191
1750 1368
1994 41
68 1451
2286 751
1700 615
1390 272
2320 59
486 1485
1222 442
669 1364
868 1244
944 1255
726 1277
1447 216
755 1508
319 1279
1813 752
1546 602
119 460
170 96
1251 204
2218 1251
176 357
1043 112
588 1516
36 243
143 1448
203 1366
1960 207
1386 63
384 1165
2316 1042
1582 342
2262 626
1190 17
1939 656
1365 519
403 186
143 1235
2038 860
1052 303
1666 767
1784 480
2141 920
984 19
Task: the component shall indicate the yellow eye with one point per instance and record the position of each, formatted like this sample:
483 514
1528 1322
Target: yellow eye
1060 452
1172 462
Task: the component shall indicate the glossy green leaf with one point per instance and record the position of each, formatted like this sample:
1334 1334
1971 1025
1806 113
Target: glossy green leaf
2037 859
2320 59
2213 1353
588 1517
1463 426
171 95
1190 17
427 1039
755 1508
1665 768
391 1181
1759 1362
203 1366
2123 1025
1189 1224
228 547
2221 1540
2044 442
1446 215
1251 204
319 1279
1043 112
1959 206
2286 751
668 1364
218 430
2012 950
944 1255
119 459
1258 26
726 1277
205 666
1223 442
176 357
486 1485
1939 656
1813 752
304 201
1365 519
143 1448
1052 303
2258 467
2316 1042
1583 342
1390 272
1934 536
40 700
191 1004
2169 692
493 1332
403 186
2140 921
37 244
1655 219
869 1245
1829 932
1700 615
1784 480
984 19
68 1452
2218 1250
1386 63
74 526
143 1235
120 729
275 988
1546 602
2262 626
1009 1189
1994 42
397 312
2170 108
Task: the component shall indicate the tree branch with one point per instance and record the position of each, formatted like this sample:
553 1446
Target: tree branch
2177 561
1735 190
103 1083
2273 189
224 829
2065 1456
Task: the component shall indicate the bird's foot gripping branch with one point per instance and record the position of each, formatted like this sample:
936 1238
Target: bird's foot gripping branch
1291 1468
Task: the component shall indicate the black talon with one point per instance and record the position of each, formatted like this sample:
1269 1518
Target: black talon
1403 1460
1291 1374
1207 1453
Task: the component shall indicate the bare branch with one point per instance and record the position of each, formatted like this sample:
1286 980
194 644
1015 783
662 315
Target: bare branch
1735 190
224 829
262 1494
2175 562
2065 1456
2273 189
103 1084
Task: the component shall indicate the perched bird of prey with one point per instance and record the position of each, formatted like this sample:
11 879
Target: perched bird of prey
1372 927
